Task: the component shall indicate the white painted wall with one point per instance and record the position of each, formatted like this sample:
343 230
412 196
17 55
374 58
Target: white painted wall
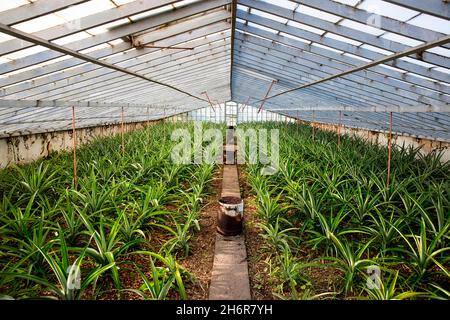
28 148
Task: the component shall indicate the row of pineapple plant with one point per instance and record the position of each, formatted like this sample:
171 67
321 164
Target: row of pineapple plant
332 200
132 212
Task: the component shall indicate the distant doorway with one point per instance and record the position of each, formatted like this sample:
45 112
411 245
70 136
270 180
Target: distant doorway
231 113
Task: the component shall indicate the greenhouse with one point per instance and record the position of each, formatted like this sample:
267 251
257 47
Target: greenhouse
224 150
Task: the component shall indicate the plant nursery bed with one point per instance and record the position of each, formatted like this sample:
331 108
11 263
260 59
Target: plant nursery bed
200 260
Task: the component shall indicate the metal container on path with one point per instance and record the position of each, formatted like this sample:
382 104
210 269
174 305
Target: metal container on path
230 216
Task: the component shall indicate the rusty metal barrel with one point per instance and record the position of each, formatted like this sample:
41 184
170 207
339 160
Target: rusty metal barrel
230 216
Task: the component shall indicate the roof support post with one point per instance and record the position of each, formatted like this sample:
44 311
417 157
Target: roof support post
74 143
267 94
389 151
312 124
210 103
246 102
123 132
339 129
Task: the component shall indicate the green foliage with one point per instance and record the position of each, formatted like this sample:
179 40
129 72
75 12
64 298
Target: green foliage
125 205
163 278
345 214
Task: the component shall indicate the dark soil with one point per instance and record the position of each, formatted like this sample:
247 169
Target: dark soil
324 278
230 200
261 284
199 263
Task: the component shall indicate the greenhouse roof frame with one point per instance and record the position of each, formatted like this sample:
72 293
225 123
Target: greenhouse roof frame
325 55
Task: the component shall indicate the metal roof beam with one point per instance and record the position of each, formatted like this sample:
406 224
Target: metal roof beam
365 66
86 73
64 50
109 81
130 87
123 31
398 109
369 79
15 130
403 120
286 82
353 34
194 36
437 8
84 23
181 27
289 44
87 70
327 92
343 46
342 87
233 34
11 103
383 23
34 10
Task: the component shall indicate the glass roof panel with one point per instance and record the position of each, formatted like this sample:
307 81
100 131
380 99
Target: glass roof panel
40 23
361 27
283 3
327 48
183 3
106 27
445 70
402 39
419 62
356 57
318 14
242 7
269 16
305 27
11 4
5 37
85 9
261 27
432 23
348 2
440 51
150 13
392 68
121 2
387 9
25 52
294 37
343 39
72 38
376 49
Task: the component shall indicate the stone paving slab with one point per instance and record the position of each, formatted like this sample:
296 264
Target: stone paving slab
230 182
229 280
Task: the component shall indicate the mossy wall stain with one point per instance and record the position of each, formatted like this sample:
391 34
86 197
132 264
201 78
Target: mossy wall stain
382 138
31 147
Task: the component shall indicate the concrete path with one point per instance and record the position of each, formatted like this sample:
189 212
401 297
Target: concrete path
229 279
230 182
